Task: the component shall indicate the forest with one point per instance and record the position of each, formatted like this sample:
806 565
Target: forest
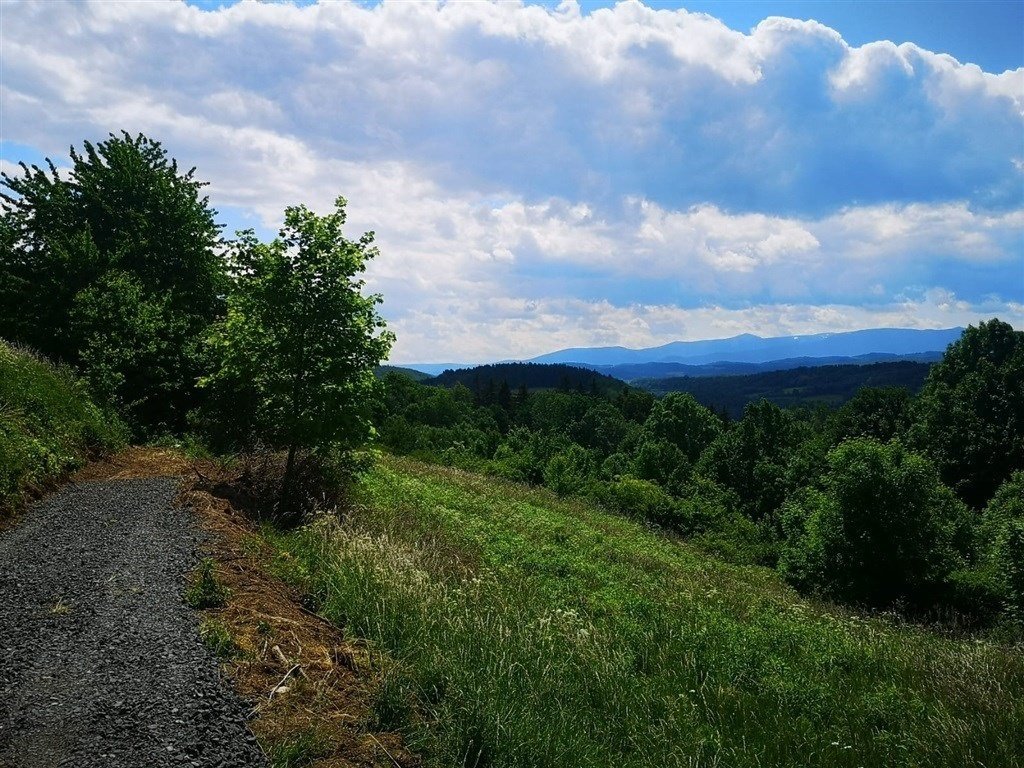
830 385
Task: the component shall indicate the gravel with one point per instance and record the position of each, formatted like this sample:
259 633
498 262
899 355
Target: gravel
100 659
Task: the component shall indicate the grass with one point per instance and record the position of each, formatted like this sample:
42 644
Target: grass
217 638
48 425
517 629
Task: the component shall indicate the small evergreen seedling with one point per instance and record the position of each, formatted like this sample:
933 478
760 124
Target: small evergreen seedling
206 591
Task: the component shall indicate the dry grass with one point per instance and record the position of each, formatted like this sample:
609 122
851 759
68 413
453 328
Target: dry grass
329 693
134 462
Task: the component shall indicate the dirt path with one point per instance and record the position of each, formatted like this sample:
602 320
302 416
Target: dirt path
100 659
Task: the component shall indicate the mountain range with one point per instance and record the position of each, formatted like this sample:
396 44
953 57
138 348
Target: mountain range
748 353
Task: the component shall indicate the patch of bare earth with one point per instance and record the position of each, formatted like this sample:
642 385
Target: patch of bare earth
306 681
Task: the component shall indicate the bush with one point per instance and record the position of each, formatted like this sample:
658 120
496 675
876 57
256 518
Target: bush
569 471
1009 557
639 498
48 425
881 528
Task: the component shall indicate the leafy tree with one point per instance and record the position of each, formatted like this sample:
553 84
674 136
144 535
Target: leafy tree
1001 544
880 528
603 427
970 414
661 462
752 457
125 225
300 336
679 419
1010 564
569 470
879 412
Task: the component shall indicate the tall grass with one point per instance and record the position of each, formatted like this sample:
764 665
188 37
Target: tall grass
516 629
48 425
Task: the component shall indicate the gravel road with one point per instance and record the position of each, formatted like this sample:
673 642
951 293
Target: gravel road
100 659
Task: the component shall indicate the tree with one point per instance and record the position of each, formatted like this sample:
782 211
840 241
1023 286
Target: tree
752 457
879 412
1001 544
970 414
125 225
679 419
881 527
300 336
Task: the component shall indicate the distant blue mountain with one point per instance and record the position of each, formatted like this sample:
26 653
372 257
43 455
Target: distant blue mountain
747 348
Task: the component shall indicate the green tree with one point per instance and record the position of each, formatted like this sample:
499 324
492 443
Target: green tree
1001 544
682 421
300 337
880 528
570 470
879 412
124 225
970 414
753 456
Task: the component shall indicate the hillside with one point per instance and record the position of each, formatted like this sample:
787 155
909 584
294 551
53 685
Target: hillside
382 370
484 378
830 385
48 425
517 629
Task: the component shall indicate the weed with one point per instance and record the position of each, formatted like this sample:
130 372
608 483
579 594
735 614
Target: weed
206 591
60 607
217 639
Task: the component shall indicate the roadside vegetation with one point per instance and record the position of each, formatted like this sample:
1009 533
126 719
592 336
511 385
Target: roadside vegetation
48 426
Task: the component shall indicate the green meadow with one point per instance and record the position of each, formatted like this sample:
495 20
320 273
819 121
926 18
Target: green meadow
514 628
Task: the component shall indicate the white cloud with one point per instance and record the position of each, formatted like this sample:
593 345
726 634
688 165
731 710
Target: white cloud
643 156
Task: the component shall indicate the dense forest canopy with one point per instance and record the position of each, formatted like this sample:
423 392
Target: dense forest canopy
830 385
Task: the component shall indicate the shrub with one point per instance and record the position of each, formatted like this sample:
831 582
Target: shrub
640 498
569 471
881 528
1009 557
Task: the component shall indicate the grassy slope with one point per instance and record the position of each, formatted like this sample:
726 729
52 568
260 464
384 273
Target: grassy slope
528 631
48 426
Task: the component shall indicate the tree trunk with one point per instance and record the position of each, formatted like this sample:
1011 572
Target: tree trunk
285 500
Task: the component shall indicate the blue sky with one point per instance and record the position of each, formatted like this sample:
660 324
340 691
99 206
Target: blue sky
556 174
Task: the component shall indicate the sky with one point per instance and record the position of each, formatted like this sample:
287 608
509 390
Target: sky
549 175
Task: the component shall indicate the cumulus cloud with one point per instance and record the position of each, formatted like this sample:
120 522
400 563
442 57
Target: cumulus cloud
638 162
